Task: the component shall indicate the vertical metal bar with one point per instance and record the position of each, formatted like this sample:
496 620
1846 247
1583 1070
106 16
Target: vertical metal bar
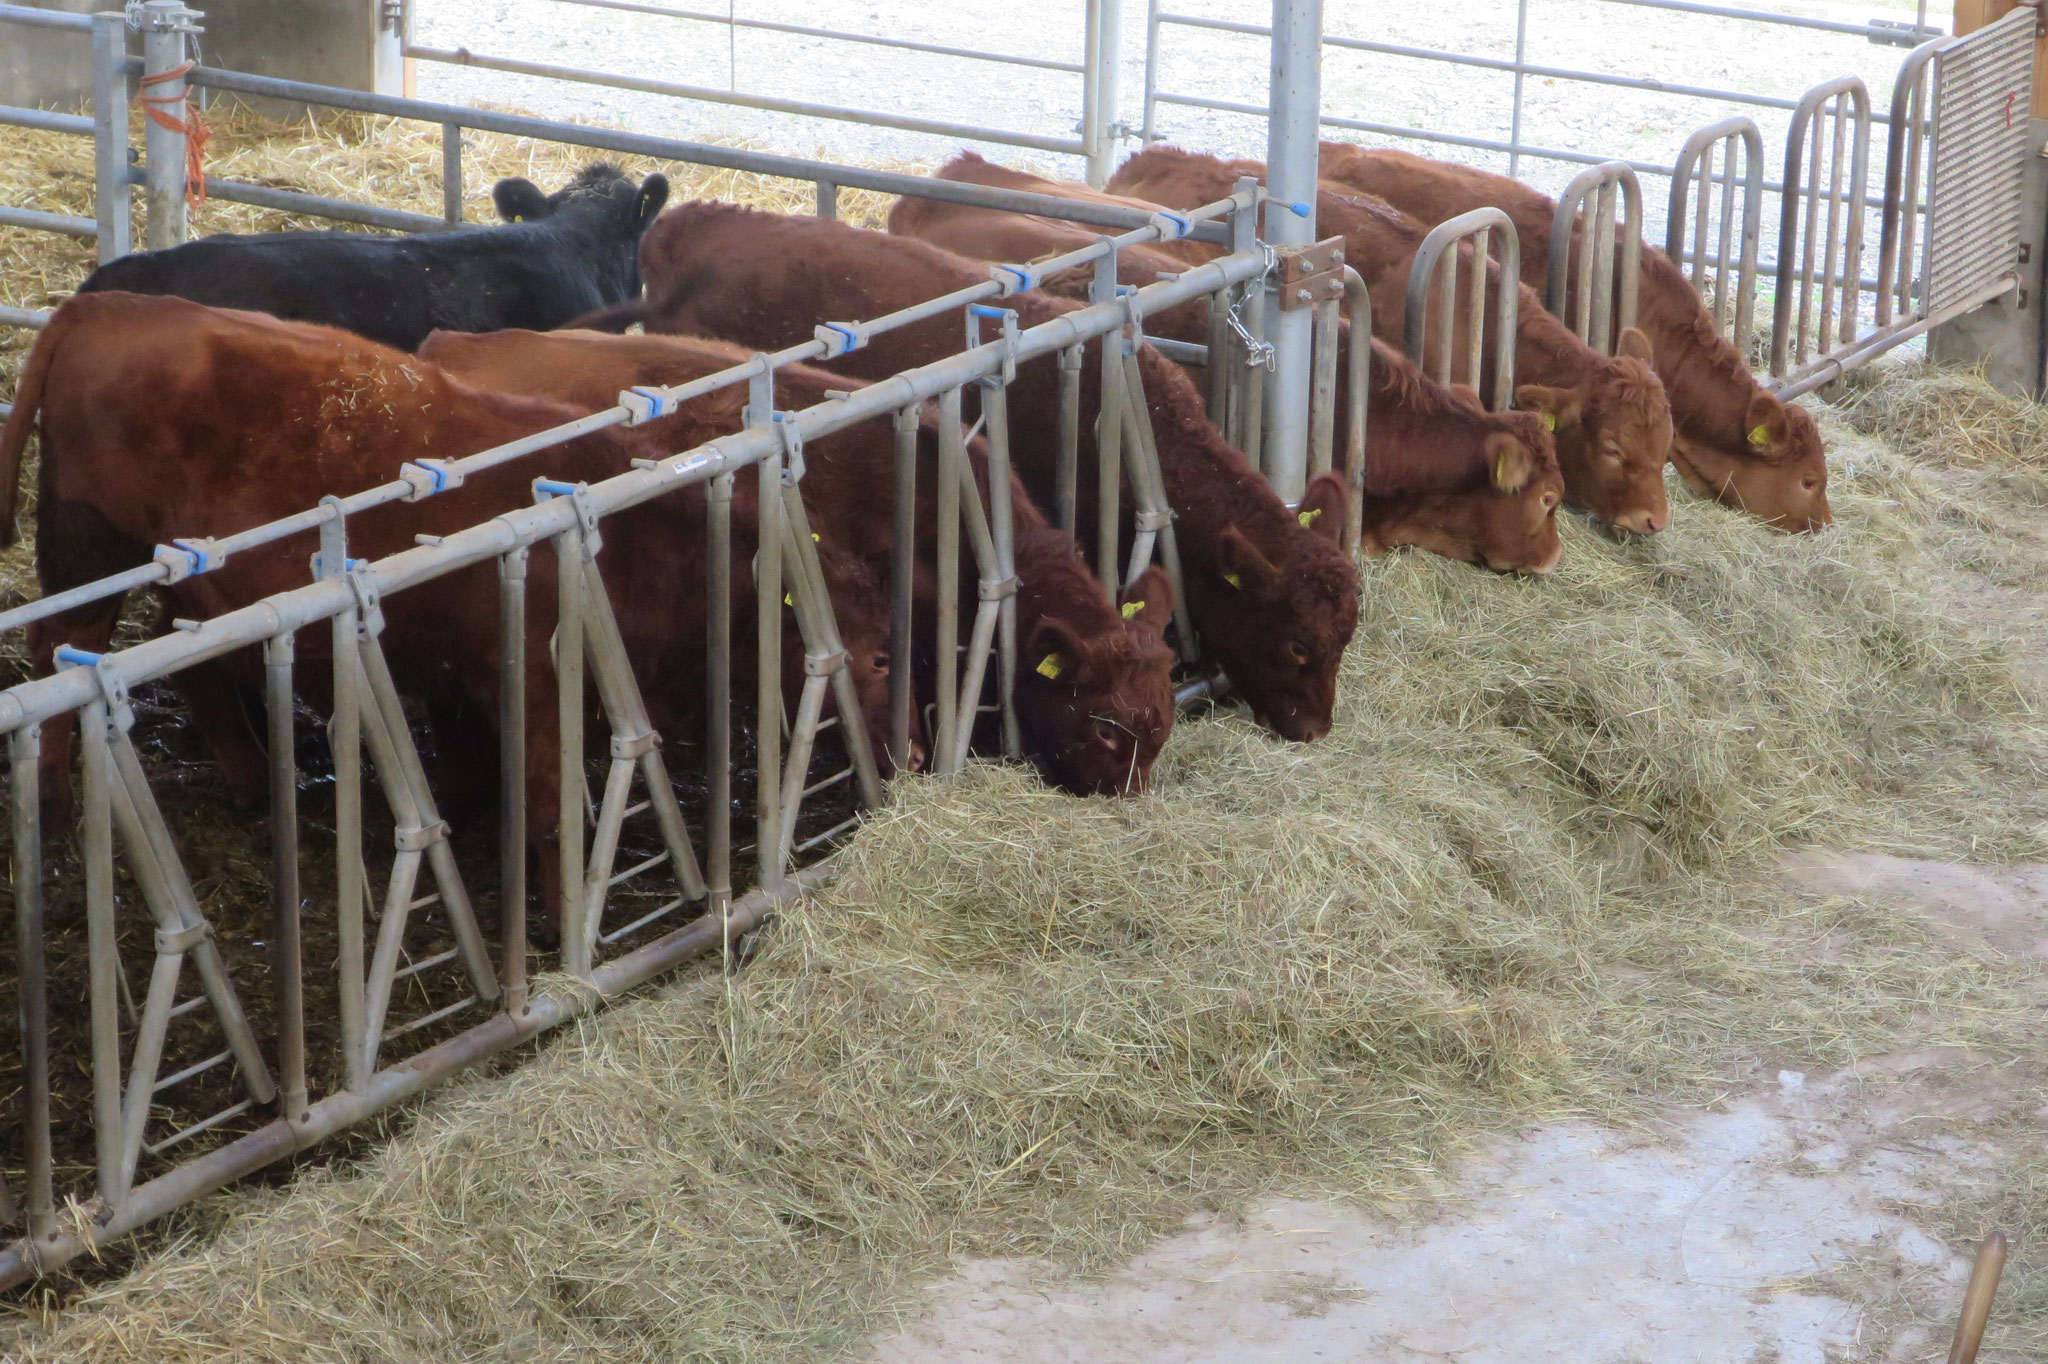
1724 303
33 992
828 200
1475 309
1701 209
768 640
718 706
1599 255
1322 424
1358 306
1109 419
1515 119
1102 58
1066 468
1246 394
1447 320
103 948
995 406
1295 98
570 792
1251 378
820 630
512 775
1147 128
1507 314
113 206
1809 193
1752 231
344 740
451 173
952 455
1852 246
1151 484
286 965
1092 118
163 52
1833 294
902 586
1221 357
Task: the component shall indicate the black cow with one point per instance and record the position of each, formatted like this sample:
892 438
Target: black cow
554 258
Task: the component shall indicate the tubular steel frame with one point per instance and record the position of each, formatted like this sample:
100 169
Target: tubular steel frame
1603 303
1834 117
1433 293
121 816
1733 309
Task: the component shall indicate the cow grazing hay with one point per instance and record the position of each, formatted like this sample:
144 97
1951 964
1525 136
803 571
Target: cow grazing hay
1524 877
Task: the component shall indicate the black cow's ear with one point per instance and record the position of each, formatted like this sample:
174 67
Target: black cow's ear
653 194
519 200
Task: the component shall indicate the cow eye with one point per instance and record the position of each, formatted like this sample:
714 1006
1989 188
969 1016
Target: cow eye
1550 501
1809 484
1297 651
881 663
1107 733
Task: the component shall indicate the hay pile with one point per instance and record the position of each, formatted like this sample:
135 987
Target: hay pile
1519 880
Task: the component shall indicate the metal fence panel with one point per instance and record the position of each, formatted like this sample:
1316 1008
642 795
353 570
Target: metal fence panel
1981 88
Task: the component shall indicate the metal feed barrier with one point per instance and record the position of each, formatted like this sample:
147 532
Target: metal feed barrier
1824 334
1480 238
138 1174
1598 300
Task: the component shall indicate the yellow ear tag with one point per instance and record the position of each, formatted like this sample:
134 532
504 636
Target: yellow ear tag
519 217
786 600
1549 420
1050 666
1308 518
1234 581
1132 608
1760 436
814 538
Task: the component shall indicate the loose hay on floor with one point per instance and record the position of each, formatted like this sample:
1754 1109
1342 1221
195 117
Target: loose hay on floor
1518 880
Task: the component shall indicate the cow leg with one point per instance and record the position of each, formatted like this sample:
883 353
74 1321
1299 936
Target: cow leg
219 701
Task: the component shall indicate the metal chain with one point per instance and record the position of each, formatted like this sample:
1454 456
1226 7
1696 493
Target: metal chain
1258 354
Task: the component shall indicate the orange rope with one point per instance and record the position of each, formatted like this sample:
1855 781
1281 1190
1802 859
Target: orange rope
191 125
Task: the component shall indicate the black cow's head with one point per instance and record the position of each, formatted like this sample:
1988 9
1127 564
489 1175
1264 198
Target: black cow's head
603 207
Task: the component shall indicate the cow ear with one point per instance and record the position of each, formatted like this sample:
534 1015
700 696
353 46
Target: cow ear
519 200
1558 407
1053 650
1149 600
653 194
1240 564
1323 507
1635 345
1765 423
1508 462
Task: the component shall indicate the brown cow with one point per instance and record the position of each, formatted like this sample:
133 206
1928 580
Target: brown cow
1734 442
1095 695
1272 596
162 418
1612 422
1441 473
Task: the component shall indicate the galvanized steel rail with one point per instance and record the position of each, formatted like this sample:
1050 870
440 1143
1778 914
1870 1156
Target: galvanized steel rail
1433 295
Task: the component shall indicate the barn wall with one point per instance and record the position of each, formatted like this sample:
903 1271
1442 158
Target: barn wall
327 42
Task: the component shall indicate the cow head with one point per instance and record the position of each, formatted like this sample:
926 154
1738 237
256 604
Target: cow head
860 608
1506 520
1097 704
1282 608
602 205
1779 473
1613 436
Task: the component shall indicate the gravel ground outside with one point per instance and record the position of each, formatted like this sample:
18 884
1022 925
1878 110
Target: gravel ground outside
1701 50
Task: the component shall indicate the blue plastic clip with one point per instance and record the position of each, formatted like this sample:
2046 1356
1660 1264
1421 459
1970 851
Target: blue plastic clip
645 404
840 337
988 310
551 487
1175 225
427 477
183 558
1301 210
1014 279
77 658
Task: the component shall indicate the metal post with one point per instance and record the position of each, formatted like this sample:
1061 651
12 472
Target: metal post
1102 54
1515 118
952 456
33 990
718 704
1295 97
451 173
344 741
768 624
1109 419
572 792
1147 129
285 960
110 135
512 775
103 949
828 199
164 26
902 586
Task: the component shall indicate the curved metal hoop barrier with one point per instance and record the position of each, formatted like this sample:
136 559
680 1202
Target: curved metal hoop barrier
1732 257
1596 261
1448 326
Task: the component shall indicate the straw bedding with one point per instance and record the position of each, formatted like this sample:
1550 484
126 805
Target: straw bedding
1524 877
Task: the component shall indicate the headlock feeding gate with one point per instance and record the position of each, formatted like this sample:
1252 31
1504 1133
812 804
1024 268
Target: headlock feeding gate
381 967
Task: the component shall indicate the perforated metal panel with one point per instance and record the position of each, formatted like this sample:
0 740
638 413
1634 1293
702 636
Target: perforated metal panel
1982 85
